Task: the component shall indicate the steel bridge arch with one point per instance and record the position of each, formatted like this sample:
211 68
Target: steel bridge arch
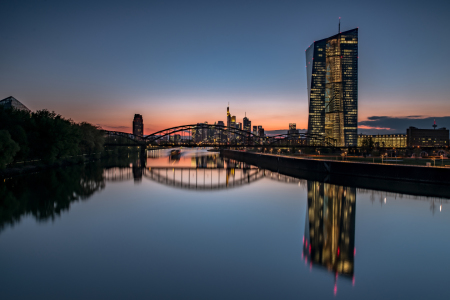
183 128
129 136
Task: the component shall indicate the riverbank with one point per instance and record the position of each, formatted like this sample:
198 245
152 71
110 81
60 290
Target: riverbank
364 175
39 166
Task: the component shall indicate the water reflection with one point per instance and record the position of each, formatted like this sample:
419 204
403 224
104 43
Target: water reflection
329 239
248 237
46 195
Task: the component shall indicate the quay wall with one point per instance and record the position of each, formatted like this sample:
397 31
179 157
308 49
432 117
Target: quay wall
322 168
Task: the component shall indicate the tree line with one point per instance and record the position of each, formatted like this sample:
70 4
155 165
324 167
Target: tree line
44 135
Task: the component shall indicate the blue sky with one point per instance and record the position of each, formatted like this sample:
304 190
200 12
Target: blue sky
180 62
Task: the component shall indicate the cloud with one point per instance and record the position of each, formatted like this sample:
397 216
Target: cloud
394 125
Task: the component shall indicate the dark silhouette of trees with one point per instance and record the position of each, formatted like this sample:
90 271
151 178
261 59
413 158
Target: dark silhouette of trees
8 148
44 135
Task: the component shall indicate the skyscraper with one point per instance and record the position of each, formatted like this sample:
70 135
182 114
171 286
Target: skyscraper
233 125
332 82
228 121
138 125
247 124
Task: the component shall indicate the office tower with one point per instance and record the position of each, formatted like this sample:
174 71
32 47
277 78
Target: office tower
233 126
205 136
228 121
247 124
220 134
332 83
138 125
260 131
255 130
292 126
293 132
329 238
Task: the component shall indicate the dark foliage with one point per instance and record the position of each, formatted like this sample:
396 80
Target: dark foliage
44 135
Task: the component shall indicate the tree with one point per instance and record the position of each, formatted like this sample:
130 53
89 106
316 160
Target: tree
367 144
8 148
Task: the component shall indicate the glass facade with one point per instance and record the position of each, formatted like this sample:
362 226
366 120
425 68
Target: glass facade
332 79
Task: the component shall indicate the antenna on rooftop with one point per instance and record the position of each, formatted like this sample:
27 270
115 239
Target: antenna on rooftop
434 124
339 25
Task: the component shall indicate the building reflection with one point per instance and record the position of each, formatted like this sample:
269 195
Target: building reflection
329 239
207 161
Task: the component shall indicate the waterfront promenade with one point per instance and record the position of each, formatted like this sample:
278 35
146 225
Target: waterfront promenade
366 175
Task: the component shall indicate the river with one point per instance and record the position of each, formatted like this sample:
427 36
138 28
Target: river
197 226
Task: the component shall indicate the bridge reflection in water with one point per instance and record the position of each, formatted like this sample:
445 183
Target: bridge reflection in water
193 178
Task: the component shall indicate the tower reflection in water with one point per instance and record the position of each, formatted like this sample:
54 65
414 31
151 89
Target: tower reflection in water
329 239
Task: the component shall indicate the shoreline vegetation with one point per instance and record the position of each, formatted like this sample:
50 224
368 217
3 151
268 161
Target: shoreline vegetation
35 141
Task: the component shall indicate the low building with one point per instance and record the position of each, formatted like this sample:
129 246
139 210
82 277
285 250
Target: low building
11 102
427 137
384 140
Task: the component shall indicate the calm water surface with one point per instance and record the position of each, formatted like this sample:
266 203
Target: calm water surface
196 226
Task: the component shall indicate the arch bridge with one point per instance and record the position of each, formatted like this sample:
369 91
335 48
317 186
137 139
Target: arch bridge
206 135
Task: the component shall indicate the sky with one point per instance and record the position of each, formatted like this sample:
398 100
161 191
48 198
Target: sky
182 62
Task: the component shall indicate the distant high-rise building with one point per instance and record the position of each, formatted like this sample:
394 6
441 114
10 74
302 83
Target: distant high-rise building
138 125
205 132
11 102
332 82
261 132
292 126
220 134
228 121
247 124
255 130
233 125
293 132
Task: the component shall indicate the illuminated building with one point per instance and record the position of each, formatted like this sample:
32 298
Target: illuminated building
260 131
228 120
329 239
293 132
384 140
255 130
332 83
427 137
220 135
205 132
11 102
247 124
138 125
233 125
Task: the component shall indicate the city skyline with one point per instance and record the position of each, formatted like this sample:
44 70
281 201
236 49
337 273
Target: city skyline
183 66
